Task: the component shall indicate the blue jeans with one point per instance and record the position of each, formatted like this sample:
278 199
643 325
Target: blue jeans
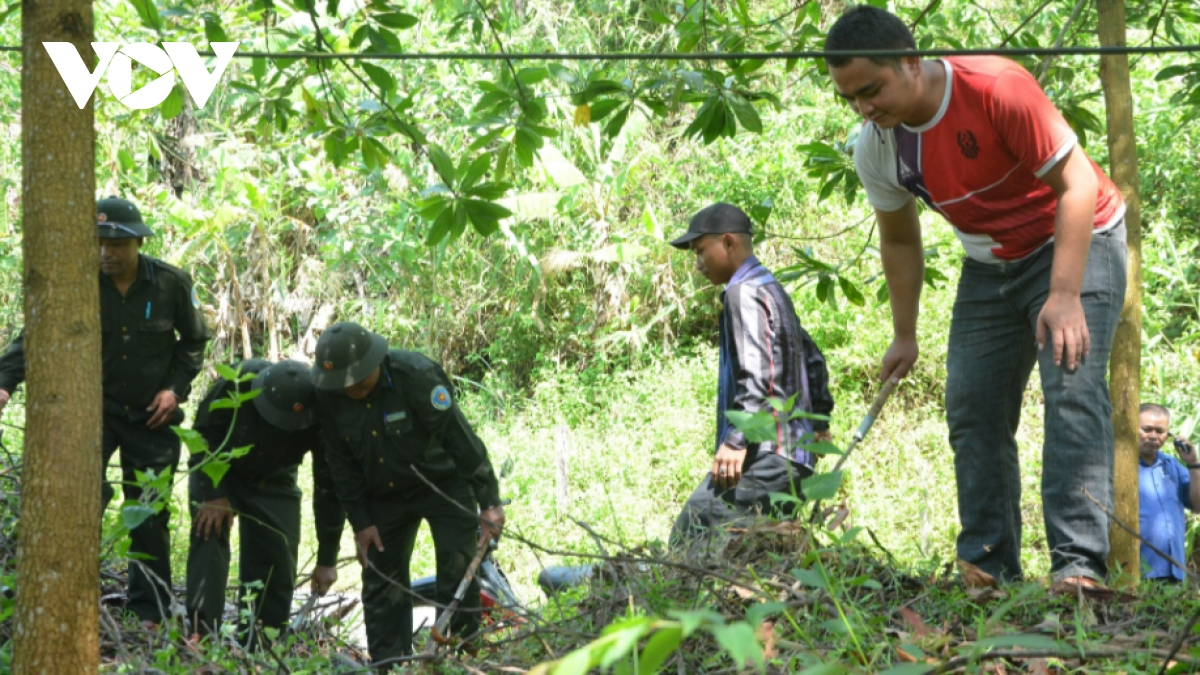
991 355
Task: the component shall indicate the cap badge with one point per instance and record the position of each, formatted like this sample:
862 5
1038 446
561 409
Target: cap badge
101 217
299 407
328 365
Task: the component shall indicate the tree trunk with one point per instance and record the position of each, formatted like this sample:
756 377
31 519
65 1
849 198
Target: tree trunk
57 605
1125 365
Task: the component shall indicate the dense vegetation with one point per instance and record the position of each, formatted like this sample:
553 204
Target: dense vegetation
510 220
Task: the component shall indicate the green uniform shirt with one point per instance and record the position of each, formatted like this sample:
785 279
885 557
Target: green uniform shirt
141 353
408 420
274 451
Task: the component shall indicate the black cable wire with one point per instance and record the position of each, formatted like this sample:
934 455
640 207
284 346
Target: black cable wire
702 56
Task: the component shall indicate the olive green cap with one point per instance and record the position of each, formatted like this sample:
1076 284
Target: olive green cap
346 354
288 399
119 219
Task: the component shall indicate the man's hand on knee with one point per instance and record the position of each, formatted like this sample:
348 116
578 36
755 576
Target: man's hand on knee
727 468
1062 322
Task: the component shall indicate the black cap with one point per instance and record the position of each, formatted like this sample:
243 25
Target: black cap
346 354
719 218
119 219
288 399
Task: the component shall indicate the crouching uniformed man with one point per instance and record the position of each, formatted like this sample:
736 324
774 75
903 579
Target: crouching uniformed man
152 346
384 414
280 425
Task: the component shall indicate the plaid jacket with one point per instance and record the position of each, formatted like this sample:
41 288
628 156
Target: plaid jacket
766 354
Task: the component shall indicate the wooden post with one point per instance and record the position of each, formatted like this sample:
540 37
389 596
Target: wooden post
56 619
562 448
1125 364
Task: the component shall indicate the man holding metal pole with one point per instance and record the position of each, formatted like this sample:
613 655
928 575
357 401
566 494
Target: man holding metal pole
390 423
978 141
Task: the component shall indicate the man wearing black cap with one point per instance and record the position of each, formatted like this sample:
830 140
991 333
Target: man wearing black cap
387 415
279 426
152 347
764 354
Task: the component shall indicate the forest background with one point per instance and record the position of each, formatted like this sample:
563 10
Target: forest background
510 219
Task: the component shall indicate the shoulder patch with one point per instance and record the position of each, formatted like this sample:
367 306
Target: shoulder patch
195 298
440 398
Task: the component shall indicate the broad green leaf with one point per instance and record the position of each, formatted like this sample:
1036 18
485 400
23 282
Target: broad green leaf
853 295
740 642
441 226
529 76
601 109
747 116
173 104
822 485
810 577
577 662
135 514
527 142
623 642
228 373
224 404
459 224
215 470
240 452
690 620
618 120
396 20
757 613
125 160
147 11
658 648
382 78
441 163
824 448
758 427
192 439
477 169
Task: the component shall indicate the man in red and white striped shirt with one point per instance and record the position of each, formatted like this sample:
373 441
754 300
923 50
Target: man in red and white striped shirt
978 141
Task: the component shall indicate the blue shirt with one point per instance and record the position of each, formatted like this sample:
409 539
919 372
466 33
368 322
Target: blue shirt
1163 493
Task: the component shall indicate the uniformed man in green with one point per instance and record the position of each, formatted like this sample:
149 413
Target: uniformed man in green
280 426
383 414
152 347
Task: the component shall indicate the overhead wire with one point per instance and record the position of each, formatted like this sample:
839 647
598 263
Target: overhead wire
701 56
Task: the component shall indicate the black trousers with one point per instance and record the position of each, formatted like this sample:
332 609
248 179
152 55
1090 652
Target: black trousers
142 449
268 521
711 509
387 600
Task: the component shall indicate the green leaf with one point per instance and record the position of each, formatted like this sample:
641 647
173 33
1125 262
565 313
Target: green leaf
740 642
527 142
577 662
529 76
822 485
762 610
690 620
382 78
758 427
125 160
215 470
228 373
716 125
601 109
396 20
810 578
213 32
224 404
853 295
147 11
475 171
614 125
173 104
135 514
830 669
440 227
747 116
192 439
485 216
240 452
442 164
660 646
1173 71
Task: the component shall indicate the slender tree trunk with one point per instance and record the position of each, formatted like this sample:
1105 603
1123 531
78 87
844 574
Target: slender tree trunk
57 582
1125 365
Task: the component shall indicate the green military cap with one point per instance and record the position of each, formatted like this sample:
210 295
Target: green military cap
120 219
288 399
346 354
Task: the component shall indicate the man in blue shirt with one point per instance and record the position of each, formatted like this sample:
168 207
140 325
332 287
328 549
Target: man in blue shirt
1165 488
764 354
